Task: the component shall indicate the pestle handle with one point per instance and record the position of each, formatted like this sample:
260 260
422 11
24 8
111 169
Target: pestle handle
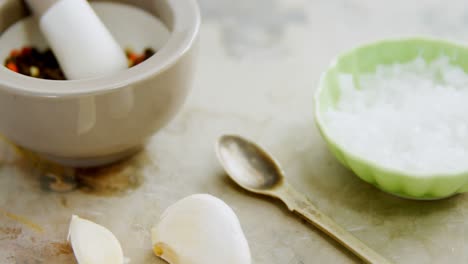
80 41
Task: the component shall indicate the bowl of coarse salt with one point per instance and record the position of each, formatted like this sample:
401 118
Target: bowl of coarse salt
395 112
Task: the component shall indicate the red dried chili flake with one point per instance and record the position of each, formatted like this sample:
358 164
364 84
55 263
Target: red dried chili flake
12 66
26 50
43 64
15 53
132 57
139 60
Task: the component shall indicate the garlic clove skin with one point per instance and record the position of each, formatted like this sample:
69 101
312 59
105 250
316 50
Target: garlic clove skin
93 243
200 229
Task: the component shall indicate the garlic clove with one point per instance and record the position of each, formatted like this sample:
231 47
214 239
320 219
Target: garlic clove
93 243
200 229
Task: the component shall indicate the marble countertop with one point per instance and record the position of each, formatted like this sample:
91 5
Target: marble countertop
259 64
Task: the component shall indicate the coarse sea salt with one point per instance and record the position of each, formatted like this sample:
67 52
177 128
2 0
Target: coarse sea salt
410 117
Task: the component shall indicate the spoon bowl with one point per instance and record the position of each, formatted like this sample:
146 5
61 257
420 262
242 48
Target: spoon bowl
249 165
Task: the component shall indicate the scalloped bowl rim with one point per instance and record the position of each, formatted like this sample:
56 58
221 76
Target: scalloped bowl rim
321 124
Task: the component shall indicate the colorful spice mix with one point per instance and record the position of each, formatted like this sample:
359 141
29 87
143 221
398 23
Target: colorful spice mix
135 58
34 63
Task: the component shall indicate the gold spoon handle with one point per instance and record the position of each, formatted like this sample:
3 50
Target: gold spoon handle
298 203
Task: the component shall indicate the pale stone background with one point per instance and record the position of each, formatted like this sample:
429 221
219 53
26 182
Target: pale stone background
259 64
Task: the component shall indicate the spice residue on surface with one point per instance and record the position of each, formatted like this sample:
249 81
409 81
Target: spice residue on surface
110 180
22 220
408 117
64 201
10 233
63 248
43 64
114 179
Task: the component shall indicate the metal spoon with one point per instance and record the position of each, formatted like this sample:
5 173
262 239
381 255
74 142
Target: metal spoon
256 171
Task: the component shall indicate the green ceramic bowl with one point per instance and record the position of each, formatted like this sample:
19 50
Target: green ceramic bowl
364 59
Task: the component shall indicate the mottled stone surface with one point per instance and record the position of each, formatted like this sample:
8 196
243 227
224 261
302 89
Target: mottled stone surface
259 64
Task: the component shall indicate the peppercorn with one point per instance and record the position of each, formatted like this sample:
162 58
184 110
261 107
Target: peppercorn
34 71
34 63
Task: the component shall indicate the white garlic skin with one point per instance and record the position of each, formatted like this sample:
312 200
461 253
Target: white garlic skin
93 243
200 229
